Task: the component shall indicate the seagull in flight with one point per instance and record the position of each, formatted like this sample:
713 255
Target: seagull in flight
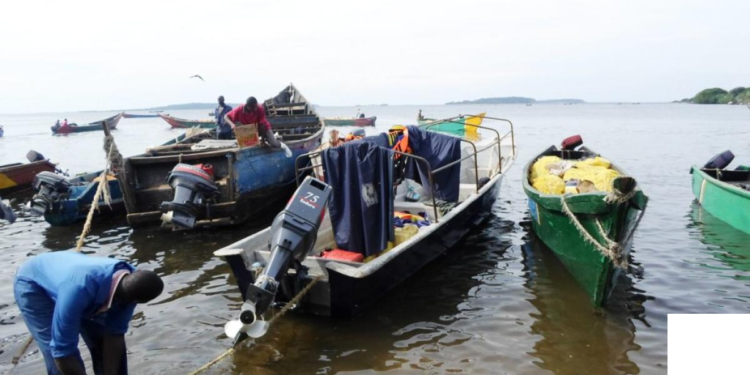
197 76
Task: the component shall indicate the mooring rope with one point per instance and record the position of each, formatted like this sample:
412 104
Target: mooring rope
616 197
102 191
613 252
293 302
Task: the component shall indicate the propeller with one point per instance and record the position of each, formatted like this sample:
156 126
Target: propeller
248 324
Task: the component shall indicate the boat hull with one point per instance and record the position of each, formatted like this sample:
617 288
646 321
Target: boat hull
729 203
368 121
76 207
594 271
179 123
17 177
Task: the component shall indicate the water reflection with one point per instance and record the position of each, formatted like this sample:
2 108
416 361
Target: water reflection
424 324
725 243
577 337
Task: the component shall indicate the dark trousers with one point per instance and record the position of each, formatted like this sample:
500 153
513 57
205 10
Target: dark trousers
37 309
225 135
269 137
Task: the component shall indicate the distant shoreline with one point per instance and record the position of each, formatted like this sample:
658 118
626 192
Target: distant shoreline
517 100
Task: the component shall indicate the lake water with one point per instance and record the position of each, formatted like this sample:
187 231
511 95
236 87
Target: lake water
497 303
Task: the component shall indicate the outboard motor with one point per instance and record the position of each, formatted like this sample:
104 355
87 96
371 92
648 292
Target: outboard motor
51 188
192 185
33 156
293 235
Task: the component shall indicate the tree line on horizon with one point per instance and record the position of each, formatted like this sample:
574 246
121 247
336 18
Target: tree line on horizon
737 95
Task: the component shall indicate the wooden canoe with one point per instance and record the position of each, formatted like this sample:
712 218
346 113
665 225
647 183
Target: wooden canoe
551 221
18 176
175 122
94 126
249 179
350 121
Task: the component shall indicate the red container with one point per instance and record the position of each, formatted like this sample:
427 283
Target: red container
208 168
571 143
348 256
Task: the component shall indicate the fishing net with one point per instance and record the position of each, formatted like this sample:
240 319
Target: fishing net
549 184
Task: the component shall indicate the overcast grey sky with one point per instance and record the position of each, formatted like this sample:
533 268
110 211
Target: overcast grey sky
81 55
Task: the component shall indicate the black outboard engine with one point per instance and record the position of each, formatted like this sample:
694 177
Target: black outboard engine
293 235
51 188
192 187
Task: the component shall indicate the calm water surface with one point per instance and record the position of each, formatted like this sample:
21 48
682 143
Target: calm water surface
497 303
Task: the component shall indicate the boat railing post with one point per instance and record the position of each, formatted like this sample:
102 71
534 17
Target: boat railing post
429 176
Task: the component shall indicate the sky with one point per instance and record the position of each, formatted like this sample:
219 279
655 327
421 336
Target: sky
99 55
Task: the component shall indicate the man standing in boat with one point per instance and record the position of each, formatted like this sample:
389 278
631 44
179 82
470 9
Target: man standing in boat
223 130
252 113
65 294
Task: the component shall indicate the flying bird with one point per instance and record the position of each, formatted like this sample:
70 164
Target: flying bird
197 76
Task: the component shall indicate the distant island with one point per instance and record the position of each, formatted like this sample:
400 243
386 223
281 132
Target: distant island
738 95
517 100
176 107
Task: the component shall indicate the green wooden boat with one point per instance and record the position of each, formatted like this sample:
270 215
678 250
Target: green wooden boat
723 194
574 226
455 126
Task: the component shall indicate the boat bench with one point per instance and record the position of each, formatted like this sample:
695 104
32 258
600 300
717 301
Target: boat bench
729 175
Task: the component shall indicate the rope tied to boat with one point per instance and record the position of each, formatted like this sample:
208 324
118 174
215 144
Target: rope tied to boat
617 197
613 250
292 302
102 191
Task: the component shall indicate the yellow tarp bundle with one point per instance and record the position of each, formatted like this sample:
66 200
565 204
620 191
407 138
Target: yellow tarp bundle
549 184
540 167
596 162
597 170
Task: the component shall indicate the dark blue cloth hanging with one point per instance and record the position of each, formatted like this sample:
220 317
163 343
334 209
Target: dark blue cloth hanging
439 150
361 206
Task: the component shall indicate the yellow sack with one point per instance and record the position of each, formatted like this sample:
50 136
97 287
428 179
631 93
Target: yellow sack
603 180
540 166
404 234
549 184
596 162
600 176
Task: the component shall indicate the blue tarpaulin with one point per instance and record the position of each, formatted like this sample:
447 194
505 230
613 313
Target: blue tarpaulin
439 150
361 206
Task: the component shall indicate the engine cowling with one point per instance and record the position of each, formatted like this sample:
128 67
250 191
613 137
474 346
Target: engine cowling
193 186
51 188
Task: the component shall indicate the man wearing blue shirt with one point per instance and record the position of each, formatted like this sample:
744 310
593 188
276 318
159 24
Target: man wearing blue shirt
223 130
65 294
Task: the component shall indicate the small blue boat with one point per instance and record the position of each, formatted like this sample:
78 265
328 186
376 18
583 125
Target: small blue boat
64 201
197 180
